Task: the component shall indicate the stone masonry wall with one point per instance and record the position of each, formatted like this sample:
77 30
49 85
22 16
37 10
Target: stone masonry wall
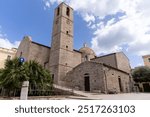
39 53
33 51
146 60
111 77
117 60
75 78
123 62
102 78
24 48
108 59
76 58
4 53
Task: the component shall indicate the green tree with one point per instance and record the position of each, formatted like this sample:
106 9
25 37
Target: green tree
38 76
141 74
14 73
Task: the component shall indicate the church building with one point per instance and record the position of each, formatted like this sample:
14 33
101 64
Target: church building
77 69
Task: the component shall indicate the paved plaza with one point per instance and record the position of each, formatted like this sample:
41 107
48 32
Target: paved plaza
89 96
99 96
127 96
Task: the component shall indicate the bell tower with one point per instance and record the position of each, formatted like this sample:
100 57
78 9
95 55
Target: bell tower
61 52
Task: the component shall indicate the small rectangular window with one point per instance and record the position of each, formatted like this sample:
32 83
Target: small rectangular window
8 57
58 10
52 77
67 32
68 11
149 59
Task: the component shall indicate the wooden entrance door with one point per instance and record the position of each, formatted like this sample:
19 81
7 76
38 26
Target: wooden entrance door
87 83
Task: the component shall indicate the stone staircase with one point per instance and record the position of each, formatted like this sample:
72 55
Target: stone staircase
79 94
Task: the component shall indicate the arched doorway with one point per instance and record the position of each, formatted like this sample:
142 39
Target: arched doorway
86 82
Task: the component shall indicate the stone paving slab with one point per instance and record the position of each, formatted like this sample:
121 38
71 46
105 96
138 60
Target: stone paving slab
127 96
89 96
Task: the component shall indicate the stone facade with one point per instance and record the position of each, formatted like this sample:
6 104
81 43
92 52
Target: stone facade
33 51
6 54
102 78
77 58
146 60
62 43
118 60
78 69
123 62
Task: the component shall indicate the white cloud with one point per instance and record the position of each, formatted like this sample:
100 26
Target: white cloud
110 22
129 32
89 18
5 43
48 3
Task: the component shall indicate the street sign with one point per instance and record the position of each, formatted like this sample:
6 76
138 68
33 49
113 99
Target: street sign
21 60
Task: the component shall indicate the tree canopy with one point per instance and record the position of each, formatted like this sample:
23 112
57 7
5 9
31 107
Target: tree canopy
141 74
14 73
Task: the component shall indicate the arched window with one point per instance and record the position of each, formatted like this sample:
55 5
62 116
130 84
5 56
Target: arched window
86 74
58 10
68 11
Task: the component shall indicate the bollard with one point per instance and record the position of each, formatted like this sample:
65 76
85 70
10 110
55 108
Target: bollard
24 90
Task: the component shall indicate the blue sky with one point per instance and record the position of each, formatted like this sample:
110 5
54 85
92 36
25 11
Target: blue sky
106 26
28 17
